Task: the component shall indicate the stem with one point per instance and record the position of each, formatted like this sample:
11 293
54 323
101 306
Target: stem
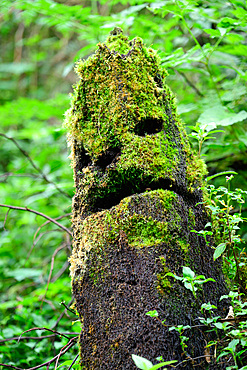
39 214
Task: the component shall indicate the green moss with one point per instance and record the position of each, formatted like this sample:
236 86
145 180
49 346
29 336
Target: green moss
163 283
191 217
103 228
121 103
184 245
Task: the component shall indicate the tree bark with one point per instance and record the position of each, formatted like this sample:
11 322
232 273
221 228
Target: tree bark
138 186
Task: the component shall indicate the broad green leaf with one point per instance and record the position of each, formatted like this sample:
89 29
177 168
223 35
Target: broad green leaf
220 249
158 366
24 273
187 272
212 33
220 116
142 363
152 313
233 344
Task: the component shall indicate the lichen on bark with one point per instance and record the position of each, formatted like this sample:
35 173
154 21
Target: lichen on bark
138 185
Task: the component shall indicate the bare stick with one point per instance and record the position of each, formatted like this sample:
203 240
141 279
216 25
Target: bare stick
76 357
190 359
34 338
51 269
36 232
190 83
67 308
34 165
36 241
39 214
70 344
60 272
47 222
53 331
11 174
5 220
62 314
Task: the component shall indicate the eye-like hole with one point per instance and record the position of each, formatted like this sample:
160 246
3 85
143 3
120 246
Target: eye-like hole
148 126
108 157
81 157
158 80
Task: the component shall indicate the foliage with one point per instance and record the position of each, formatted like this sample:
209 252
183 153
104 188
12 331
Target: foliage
226 226
190 280
203 47
234 342
144 364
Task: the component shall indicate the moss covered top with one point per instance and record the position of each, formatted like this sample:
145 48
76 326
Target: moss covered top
123 124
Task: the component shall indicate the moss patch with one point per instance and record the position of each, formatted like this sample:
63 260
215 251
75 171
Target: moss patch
123 126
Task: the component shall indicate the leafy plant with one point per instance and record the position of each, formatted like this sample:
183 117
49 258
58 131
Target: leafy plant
144 364
226 223
190 280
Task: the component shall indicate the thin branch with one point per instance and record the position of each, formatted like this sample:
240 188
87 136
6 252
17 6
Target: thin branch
62 314
53 331
39 214
190 83
37 240
5 219
34 165
76 357
40 227
11 174
11 366
34 338
191 359
51 269
60 272
47 222
70 344
67 308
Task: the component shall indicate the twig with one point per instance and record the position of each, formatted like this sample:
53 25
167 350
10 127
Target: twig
8 174
53 331
60 272
36 241
190 83
11 366
51 269
47 222
62 315
5 219
190 359
39 228
34 165
33 338
70 344
76 357
67 308
39 214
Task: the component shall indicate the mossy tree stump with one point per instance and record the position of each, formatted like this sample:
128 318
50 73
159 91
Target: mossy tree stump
137 188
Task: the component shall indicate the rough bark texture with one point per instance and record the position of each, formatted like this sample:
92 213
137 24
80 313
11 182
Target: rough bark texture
137 188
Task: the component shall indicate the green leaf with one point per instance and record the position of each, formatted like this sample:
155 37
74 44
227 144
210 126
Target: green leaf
221 174
158 366
187 272
212 33
233 344
24 273
220 249
142 363
221 116
152 313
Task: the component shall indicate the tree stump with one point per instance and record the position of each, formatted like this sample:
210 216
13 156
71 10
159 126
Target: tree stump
138 185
